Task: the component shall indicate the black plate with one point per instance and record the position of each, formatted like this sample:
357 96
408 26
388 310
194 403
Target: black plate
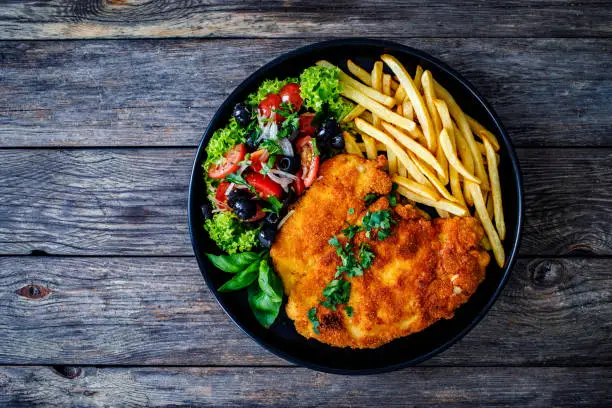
281 338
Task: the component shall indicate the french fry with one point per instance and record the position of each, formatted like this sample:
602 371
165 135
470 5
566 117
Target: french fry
364 76
430 95
442 213
414 147
392 162
415 98
367 116
464 127
481 131
407 109
376 108
454 176
432 178
453 160
350 144
417 77
377 75
399 110
481 211
466 159
367 90
370 147
382 137
356 70
442 204
357 110
417 188
400 94
379 146
386 84
401 169
495 190
422 213
485 243
489 205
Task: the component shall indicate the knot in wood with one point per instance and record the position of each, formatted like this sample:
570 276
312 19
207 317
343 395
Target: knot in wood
33 291
67 371
547 273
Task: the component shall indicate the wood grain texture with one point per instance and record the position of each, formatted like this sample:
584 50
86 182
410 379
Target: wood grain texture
548 92
134 201
59 19
298 387
158 311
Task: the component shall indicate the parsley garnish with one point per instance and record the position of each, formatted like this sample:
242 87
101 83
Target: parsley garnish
349 311
271 146
351 210
351 231
312 316
337 292
392 197
366 256
380 220
315 149
275 203
370 198
238 179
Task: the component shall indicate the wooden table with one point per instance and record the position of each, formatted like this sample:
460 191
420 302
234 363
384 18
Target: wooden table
102 105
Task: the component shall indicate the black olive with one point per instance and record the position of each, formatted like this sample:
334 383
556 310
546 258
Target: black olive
206 211
289 164
328 129
337 142
290 199
242 114
240 201
267 234
251 144
272 218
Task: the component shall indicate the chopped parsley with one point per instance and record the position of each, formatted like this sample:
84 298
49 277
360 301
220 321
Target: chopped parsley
312 316
349 311
315 149
337 292
351 231
351 210
392 197
275 204
366 256
380 220
271 146
370 198
238 179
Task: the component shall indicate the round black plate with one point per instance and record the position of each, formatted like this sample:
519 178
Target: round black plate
281 338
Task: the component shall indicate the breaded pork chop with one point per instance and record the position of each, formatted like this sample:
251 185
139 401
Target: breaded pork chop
343 182
421 273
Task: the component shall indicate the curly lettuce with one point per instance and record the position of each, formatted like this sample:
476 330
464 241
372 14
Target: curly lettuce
222 140
267 87
231 234
321 86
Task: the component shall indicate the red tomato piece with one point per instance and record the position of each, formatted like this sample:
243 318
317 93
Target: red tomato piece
299 184
229 164
306 128
258 157
310 161
291 93
270 104
264 186
221 197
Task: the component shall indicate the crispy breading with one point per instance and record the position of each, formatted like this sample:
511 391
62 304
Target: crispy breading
421 273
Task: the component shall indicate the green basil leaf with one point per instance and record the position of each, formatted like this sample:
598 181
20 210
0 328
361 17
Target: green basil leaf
264 309
242 279
270 283
233 263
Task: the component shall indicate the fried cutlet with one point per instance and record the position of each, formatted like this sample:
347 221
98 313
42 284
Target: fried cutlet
421 273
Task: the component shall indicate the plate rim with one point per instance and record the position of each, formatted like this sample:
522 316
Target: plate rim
405 49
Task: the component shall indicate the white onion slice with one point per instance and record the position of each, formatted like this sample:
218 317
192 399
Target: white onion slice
229 189
283 181
284 174
285 144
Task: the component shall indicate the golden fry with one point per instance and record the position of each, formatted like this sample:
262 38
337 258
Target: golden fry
453 160
356 70
386 84
385 113
357 110
495 190
382 137
481 210
350 144
430 95
377 75
417 77
414 96
417 188
400 94
370 147
442 204
413 146
482 132
407 109
391 162
432 178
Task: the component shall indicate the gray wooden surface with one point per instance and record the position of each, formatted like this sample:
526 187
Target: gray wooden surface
101 300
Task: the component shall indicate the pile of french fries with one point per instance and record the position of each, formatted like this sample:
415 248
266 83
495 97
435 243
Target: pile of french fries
430 144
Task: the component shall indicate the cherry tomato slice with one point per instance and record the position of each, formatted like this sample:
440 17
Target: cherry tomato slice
264 185
229 164
306 128
270 104
258 157
298 185
258 216
291 93
310 162
221 197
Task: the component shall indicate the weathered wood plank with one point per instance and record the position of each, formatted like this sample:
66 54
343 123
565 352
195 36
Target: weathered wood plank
159 312
548 92
58 19
133 201
298 387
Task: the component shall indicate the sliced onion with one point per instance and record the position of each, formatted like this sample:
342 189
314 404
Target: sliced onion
285 218
285 144
229 189
284 174
283 181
